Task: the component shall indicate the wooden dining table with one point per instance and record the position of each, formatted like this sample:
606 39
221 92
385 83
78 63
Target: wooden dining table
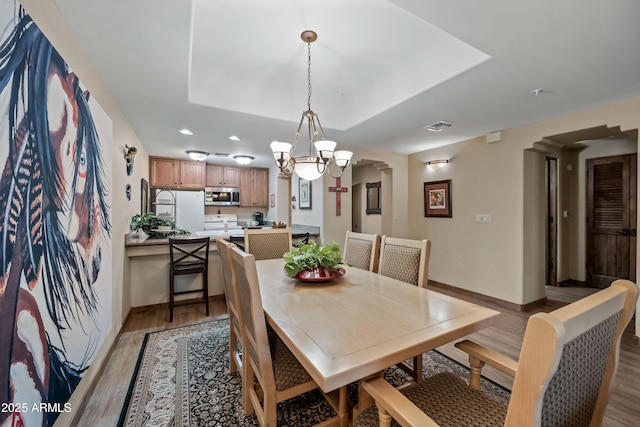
355 326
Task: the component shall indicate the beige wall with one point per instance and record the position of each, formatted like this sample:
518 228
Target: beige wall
48 18
496 179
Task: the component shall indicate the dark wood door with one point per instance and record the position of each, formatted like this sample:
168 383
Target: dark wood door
611 219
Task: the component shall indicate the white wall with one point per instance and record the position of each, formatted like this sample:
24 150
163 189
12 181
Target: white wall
372 223
490 179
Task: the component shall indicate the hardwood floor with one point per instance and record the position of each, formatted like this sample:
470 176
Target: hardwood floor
104 405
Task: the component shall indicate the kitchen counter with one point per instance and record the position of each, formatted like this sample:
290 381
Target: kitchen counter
146 270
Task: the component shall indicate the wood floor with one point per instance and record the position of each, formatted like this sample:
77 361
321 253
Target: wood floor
104 405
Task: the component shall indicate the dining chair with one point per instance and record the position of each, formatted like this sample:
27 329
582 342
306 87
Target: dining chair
563 377
408 261
188 256
235 333
271 373
300 239
267 243
362 250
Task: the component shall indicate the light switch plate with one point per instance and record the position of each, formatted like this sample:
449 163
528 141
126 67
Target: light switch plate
483 219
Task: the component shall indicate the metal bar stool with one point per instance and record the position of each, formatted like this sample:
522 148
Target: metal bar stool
188 256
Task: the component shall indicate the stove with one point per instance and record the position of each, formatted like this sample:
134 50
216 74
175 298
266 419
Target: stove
221 222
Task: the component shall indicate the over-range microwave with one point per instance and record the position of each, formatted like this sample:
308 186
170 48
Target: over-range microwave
219 196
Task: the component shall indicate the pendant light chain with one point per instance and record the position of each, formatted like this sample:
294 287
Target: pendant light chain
309 75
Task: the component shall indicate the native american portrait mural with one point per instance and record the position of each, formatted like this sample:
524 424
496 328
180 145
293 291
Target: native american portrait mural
55 227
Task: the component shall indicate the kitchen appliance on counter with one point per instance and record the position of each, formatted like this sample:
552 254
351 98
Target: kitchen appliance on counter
220 196
259 218
216 223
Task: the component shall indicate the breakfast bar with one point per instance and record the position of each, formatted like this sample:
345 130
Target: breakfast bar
146 267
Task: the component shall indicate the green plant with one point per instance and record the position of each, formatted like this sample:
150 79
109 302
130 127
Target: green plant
149 222
310 256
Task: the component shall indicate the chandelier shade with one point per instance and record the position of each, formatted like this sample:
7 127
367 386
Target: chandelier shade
321 154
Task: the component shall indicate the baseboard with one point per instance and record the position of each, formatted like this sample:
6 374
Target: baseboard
573 282
502 303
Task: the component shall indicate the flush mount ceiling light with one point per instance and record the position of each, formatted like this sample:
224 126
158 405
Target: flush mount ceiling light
185 132
200 156
243 160
437 126
315 164
234 138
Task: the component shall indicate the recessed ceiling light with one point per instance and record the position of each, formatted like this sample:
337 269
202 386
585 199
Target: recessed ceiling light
234 138
243 159
437 126
537 92
186 132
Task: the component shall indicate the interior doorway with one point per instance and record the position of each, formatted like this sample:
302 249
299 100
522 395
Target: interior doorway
551 166
611 219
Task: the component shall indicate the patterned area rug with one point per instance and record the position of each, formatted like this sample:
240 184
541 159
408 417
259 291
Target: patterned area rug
182 379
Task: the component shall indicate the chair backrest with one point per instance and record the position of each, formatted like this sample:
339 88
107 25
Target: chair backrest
405 260
267 243
255 341
188 251
362 250
300 239
568 360
227 275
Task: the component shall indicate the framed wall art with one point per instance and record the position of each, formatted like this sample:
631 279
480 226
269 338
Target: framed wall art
437 199
304 195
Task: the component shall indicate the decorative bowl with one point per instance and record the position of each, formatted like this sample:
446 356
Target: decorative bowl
320 274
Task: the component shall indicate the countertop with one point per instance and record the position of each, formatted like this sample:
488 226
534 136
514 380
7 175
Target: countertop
295 229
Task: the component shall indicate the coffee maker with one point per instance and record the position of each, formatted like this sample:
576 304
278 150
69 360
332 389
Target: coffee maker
259 218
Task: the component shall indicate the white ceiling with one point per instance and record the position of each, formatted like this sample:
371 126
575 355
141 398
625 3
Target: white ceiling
381 70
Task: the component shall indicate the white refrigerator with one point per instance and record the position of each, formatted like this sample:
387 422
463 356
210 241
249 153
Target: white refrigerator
185 207
190 210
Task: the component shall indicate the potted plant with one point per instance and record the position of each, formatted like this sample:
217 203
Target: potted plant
149 222
313 262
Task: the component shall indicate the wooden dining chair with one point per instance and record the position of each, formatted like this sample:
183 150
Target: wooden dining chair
188 256
235 333
362 250
267 243
567 363
408 261
271 373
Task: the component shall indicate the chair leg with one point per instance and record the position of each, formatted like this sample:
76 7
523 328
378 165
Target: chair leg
233 348
205 280
417 369
171 292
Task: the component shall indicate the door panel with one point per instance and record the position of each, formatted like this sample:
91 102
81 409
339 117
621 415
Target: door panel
611 219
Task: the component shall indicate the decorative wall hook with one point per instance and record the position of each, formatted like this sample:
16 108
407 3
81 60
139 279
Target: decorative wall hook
129 155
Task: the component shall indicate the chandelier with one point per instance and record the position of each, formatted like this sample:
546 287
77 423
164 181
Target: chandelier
321 151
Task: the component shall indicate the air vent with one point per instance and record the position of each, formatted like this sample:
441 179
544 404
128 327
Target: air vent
222 155
437 126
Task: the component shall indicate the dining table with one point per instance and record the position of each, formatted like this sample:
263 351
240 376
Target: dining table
361 323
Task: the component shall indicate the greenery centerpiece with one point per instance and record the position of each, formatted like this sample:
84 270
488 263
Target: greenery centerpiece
149 222
323 261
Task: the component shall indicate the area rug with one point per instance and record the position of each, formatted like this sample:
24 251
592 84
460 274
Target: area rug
182 379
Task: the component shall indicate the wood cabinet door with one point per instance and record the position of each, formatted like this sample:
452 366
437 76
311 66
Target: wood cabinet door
261 187
193 174
246 187
611 219
164 172
231 177
214 176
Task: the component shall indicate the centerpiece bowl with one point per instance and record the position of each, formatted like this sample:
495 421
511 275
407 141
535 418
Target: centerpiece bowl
314 263
320 274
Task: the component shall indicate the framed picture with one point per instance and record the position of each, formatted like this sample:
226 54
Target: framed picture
304 195
437 199
144 196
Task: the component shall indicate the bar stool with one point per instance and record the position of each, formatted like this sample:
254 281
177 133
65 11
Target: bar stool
188 256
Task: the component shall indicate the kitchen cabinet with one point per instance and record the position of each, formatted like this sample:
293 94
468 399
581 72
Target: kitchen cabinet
223 176
166 172
254 187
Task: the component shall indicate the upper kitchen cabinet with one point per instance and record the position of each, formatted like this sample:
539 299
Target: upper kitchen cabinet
254 187
223 176
175 173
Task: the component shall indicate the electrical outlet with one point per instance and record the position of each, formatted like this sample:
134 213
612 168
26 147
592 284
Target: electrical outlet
483 219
